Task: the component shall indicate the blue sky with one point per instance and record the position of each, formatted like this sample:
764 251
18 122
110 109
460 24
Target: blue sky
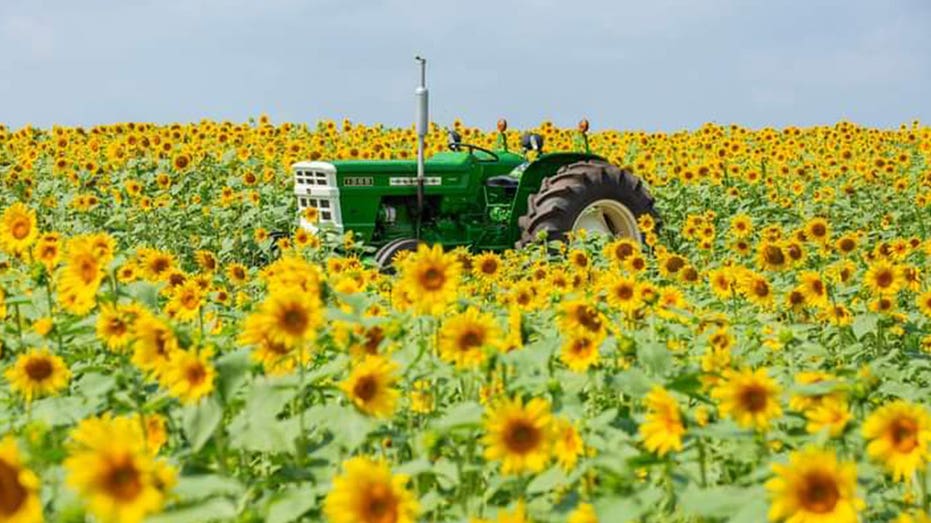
634 65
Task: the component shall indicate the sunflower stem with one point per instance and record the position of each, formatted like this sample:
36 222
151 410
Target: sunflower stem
923 485
702 466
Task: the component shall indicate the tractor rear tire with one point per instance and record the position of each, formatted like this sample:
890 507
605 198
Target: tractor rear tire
384 256
556 208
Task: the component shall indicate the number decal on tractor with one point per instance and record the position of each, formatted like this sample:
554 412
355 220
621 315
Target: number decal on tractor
412 180
359 181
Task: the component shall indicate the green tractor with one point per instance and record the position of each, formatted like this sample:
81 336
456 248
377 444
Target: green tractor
471 196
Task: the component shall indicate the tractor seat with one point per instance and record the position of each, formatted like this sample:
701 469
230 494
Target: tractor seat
503 181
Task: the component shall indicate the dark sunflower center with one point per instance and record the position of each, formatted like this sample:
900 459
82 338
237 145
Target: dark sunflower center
753 398
761 288
470 339
884 279
819 493
904 434
581 346
774 255
817 287
373 338
116 327
380 505
196 374
159 265
522 437
432 279
818 230
674 263
20 229
624 292
294 320
122 481
190 301
622 251
39 369
365 388
847 245
489 267
588 318
12 493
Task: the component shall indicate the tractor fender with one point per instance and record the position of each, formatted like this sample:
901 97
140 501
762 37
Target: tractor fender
532 177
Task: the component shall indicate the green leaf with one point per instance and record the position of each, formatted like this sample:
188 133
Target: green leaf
864 324
63 410
200 421
211 510
195 488
655 356
461 414
233 370
549 480
291 504
716 502
94 384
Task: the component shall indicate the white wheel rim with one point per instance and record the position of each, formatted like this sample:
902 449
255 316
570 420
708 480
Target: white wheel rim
609 217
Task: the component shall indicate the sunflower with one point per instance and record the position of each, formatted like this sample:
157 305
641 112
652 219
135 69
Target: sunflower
19 487
516 515
750 397
18 229
741 226
883 278
757 289
583 513
156 265
721 281
114 472
580 351
621 292
771 256
621 250
831 414
37 373
581 316
518 435
189 375
237 273
814 487
567 443
487 266
813 289
422 397
430 278
818 230
464 337
898 434
367 492
290 318
924 303
662 429
154 342
370 386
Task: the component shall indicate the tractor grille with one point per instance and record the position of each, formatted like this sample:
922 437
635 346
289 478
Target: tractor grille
315 186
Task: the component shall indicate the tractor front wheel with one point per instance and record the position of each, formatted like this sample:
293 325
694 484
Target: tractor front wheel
385 255
590 195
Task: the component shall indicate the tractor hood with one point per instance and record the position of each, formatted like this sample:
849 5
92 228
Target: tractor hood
438 163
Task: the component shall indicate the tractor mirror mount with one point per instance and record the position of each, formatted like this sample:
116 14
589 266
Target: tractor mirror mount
453 140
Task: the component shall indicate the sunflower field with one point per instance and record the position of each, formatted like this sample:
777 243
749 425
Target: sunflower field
764 355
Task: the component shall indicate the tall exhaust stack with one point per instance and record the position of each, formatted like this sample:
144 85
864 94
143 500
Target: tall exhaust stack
422 124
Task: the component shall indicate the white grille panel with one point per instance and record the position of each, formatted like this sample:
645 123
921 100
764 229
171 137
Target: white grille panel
315 186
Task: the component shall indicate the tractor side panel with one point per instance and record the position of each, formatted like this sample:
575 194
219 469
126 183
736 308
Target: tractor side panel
532 179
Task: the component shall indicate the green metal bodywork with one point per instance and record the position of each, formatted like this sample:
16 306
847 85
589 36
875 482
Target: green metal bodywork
378 198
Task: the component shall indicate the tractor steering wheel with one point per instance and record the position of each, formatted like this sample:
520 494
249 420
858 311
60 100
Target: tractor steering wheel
454 146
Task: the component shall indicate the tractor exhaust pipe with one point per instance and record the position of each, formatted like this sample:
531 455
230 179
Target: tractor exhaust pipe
422 124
